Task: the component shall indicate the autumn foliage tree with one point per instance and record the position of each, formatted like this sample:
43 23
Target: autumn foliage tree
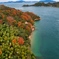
1 15
10 20
33 16
25 16
19 24
1 21
20 40
28 28
14 12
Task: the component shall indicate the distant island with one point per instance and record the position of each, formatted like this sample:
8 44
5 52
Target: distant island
53 4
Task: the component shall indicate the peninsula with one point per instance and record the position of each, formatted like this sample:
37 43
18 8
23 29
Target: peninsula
15 28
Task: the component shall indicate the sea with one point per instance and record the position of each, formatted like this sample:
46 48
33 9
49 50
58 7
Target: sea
45 38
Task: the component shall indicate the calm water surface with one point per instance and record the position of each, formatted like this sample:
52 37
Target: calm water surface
45 41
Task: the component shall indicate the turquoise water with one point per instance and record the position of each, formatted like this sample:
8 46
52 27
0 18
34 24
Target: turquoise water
45 41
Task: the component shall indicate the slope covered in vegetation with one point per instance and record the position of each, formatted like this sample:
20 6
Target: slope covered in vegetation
15 28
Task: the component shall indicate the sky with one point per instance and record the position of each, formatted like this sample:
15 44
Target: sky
7 0
26 0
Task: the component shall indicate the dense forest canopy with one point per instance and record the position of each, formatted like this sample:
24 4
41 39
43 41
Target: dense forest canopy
15 28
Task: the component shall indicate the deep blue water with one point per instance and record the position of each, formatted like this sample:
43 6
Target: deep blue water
45 41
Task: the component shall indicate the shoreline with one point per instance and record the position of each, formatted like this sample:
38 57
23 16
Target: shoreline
30 36
31 42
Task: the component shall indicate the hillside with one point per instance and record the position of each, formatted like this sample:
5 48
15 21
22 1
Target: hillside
15 29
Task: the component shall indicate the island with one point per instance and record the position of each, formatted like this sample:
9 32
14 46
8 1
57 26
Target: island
52 4
16 27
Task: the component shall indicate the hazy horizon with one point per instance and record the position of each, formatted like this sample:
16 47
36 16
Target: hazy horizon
28 0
